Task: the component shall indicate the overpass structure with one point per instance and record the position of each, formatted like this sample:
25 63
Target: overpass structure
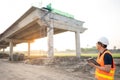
39 23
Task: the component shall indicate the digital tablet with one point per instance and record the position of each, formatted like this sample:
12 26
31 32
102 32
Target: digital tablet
93 61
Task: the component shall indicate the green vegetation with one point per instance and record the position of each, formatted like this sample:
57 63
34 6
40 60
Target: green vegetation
115 55
62 54
89 55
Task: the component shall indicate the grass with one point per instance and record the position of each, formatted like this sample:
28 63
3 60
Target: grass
115 55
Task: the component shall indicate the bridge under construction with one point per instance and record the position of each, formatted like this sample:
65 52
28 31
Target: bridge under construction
39 23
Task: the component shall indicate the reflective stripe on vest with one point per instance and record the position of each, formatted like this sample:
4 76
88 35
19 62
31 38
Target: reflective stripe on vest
106 77
102 75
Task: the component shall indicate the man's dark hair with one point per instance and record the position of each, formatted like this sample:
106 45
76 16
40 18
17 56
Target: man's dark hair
103 45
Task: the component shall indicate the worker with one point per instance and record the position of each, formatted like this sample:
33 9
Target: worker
106 69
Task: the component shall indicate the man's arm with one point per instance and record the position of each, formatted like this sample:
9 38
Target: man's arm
107 62
106 68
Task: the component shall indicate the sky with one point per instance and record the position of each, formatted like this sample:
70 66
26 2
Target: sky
101 17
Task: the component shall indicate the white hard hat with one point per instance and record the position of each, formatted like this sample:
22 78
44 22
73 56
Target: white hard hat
104 40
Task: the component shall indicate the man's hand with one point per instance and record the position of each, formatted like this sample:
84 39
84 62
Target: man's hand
91 64
106 68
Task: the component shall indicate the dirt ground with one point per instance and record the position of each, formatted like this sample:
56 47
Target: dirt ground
22 71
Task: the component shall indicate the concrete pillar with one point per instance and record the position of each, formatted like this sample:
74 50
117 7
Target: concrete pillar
11 50
28 49
77 39
50 33
3 50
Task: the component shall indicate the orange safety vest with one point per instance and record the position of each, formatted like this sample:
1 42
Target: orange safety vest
102 75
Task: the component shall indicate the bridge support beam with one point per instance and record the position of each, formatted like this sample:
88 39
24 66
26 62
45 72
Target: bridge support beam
29 49
77 38
50 33
11 50
3 50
